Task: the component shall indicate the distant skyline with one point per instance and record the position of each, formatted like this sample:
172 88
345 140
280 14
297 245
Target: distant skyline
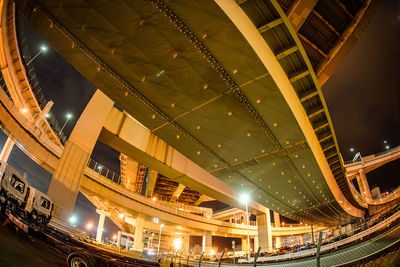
362 96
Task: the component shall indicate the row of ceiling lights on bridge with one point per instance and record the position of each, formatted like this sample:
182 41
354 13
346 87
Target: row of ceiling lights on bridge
248 134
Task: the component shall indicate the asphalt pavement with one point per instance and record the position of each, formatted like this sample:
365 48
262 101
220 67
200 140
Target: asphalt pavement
20 249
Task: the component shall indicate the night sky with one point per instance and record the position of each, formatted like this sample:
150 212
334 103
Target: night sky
362 96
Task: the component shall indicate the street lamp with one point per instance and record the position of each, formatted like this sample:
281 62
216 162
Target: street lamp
43 49
89 226
245 199
159 239
73 220
68 116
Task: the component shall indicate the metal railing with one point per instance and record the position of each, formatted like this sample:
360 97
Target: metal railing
103 171
34 83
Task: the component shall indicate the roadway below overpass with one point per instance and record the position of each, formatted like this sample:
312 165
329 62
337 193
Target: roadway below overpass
108 195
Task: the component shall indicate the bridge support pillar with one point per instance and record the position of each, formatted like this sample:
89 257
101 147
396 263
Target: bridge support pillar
138 242
7 148
64 185
186 244
100 225
207 242
256 243
277 223
244 244
362 179
264 231
301 239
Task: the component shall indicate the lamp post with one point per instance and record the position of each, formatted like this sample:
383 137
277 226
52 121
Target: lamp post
159 239
43 49
244 199
68 116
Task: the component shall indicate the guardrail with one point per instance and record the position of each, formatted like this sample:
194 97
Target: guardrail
103 171
34 83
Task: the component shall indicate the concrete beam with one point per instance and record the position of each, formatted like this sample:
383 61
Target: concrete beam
299 12
151 183
127 136
178 192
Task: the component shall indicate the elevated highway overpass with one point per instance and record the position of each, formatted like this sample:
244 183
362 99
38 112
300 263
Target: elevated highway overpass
192 88
193 93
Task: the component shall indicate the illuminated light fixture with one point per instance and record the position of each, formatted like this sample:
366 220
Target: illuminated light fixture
289 181
73 219
177 243
47 115
273 163
156 220
154 198
175 55
258 101
204 35
262 150
248 134
114 237
249 170
198 152
275 124
235 159
282 173
143 79
69 115
304 166
24 110
216 165
121 215
351 149
208 216
205 86
198 127
230 113
172 105
296 156
178 136
219 145
126 93
235 71
287 142
153 116
160 73
387 147
260 179
89 226
44 48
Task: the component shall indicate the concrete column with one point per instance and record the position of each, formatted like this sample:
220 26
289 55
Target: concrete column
64 185
348 228
264 231
244 244
312 234
100 225
207 242
138 242
186 244
152 183
301 239
6 151
366 192
277 222
256 243
119 240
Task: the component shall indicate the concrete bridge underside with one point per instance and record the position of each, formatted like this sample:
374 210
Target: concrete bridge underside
173 67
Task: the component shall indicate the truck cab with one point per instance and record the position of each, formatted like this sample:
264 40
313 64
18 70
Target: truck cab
39 206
